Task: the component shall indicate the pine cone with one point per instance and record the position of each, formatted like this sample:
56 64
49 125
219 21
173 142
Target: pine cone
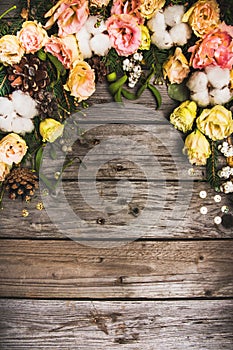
99 67
30 75
47 104
21 182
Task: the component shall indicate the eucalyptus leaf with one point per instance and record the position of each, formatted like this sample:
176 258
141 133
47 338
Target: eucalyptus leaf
178 92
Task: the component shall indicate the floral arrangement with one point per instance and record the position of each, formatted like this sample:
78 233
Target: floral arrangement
52 56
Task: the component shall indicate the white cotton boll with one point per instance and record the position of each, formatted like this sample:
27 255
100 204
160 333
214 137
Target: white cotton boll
100 44
24 104
6 122
162 40
180 33
6 106
157 22
201 98
218 77
93 26
220 96
83 38
173 14
197 82
22 125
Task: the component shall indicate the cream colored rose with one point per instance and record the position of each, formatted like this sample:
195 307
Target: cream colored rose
184 115
145 38
12 149
11 51
50 129
149 7
203 16
32 36
216 123
4 171
81 81
197 148
176 68
99 3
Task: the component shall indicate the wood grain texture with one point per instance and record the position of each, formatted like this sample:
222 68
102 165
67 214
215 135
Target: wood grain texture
34 269
73 325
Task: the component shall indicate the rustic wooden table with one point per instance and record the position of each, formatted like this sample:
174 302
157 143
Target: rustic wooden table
168 287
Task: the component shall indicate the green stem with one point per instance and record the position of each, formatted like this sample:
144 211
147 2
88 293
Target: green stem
7 11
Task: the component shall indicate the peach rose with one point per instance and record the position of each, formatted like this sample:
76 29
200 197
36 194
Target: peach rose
120 7
215 48
69 14
124 33
197 148
65 49
12 149
32 36
176 68
81 81
4 170
216 123
203 16
149 7
11 51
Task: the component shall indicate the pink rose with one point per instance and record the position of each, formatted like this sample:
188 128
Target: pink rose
12 149
128 7
81 81
214 48
69 14
124 33
32 36
65 49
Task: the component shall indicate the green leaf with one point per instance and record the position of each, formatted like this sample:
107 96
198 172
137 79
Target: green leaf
129 95
117 96
38 159
58 65
178 92
41 55
117 84
156 94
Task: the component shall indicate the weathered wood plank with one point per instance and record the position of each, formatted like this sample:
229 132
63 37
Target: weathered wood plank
176 325
51 269
177 217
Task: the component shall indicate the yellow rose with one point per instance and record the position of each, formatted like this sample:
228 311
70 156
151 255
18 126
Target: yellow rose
149 7
216 123
81 81
203 16
184 115
197 148
99 3
145 38
32 36
12 149
176 68
10 50
4 170
50 129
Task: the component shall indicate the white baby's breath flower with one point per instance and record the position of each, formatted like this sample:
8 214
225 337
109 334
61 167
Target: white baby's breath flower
197 82
218 77
220 96
100 44
24 104
180 34
201 98
173 15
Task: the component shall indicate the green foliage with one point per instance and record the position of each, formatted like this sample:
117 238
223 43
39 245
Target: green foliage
113 62
5 87
178 92
211 167
156 57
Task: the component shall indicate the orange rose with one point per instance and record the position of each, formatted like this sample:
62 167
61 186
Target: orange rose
203 16
12 149
176 68
81 81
